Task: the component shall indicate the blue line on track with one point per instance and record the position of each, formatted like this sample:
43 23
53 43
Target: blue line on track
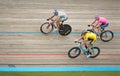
41 33
57 69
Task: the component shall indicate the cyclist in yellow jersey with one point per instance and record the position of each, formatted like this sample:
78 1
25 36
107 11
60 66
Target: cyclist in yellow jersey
89 37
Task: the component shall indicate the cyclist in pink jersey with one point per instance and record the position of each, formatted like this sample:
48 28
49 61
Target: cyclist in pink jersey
100 23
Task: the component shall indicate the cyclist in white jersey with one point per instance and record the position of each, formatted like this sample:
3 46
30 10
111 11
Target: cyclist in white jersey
60 17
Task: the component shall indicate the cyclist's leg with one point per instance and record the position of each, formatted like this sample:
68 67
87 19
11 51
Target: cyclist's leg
104 26
89 50
99 31
58 22
92 41
89 44
89 47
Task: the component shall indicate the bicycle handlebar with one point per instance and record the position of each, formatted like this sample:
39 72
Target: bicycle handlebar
90 25
78 42
49 19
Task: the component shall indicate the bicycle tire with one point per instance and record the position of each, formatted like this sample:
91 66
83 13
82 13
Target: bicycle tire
106 32
97 52
43 29
65 29
76 50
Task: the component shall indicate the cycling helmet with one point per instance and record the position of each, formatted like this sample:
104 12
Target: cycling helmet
55 12
96 16
83 32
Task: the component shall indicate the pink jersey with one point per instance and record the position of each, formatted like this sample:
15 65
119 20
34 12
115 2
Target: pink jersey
102 20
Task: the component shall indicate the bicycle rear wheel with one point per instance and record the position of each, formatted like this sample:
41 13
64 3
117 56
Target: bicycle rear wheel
106 36
74 52
46 28
95 52
65 29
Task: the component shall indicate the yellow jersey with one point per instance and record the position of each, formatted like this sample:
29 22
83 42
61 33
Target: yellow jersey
91 36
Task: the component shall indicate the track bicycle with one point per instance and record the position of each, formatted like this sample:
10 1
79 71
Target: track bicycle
48 27
76 51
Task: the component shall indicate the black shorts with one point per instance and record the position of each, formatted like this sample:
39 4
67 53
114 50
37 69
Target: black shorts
90 41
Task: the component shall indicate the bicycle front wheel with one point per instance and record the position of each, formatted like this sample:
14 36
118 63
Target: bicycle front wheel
95 52
106 36
74 52
46 28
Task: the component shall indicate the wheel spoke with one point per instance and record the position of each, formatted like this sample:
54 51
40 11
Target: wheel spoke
74 52
95 52
46 28
106 36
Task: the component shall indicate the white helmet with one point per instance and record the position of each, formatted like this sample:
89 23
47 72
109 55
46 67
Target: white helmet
96 16
55 12
83 32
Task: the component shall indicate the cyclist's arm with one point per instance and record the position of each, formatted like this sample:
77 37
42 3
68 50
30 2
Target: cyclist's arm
51 17
98 25
80 38
55 19
84 42
94 21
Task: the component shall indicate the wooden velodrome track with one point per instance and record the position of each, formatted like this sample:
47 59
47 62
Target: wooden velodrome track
22 43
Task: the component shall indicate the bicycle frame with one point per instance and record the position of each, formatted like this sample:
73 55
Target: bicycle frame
54 24
49 26
50 22
76 51
85 50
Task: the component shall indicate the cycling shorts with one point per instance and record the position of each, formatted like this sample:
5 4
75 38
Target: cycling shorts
63 18
103 26
91 41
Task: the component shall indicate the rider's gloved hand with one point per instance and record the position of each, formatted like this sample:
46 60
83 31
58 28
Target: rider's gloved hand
89 25
75 41
48 19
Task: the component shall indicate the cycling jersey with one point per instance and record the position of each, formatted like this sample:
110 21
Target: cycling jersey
89 36
62 15
102 20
